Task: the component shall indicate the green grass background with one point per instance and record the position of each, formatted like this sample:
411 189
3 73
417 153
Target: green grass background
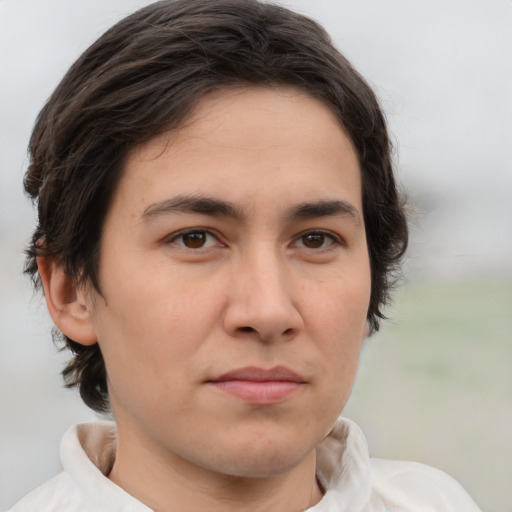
435 385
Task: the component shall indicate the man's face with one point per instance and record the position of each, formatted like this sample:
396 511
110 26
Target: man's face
235 285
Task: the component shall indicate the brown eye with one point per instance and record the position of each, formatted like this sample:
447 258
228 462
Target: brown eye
317 240
194 239
313 240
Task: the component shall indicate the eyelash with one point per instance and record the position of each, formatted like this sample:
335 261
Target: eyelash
334 239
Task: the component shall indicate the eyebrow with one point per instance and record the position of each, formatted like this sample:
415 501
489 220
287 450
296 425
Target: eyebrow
219 208
194 204
324 208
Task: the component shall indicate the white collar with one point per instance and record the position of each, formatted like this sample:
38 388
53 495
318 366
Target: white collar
87 453
343 469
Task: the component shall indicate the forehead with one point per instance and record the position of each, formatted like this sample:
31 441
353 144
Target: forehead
256 136
245 118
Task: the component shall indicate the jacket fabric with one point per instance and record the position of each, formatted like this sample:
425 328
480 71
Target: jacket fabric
353 482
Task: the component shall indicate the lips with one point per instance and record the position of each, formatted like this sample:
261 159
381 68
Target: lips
259 386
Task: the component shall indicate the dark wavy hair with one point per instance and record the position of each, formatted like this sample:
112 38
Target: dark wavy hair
142 78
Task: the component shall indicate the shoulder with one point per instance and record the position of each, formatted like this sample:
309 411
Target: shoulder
357 483
414 486
55 495
87 452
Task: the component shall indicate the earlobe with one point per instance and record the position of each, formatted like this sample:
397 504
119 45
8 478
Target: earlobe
67 303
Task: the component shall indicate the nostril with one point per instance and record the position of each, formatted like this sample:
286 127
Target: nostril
247 329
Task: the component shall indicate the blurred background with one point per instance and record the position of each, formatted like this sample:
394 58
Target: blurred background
435 385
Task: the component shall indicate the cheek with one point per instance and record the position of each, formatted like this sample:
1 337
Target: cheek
338 308
154 323
337 322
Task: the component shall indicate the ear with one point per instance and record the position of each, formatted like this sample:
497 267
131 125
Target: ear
68 304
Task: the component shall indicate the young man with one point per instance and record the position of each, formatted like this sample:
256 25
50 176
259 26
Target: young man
218 230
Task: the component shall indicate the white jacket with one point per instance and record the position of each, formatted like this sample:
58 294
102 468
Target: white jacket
353 482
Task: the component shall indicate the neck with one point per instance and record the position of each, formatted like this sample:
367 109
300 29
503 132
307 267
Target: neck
166 482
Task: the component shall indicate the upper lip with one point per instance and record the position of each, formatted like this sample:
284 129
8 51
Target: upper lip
255 374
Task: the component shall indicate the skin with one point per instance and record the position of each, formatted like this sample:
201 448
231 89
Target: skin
261 282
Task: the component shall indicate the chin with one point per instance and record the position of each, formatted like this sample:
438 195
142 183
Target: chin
264 465
261 457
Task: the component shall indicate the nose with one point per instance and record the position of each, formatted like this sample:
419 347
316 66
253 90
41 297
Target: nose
262 302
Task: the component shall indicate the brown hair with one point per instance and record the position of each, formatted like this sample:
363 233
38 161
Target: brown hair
143 77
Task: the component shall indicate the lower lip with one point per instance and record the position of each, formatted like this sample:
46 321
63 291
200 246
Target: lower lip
259 393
